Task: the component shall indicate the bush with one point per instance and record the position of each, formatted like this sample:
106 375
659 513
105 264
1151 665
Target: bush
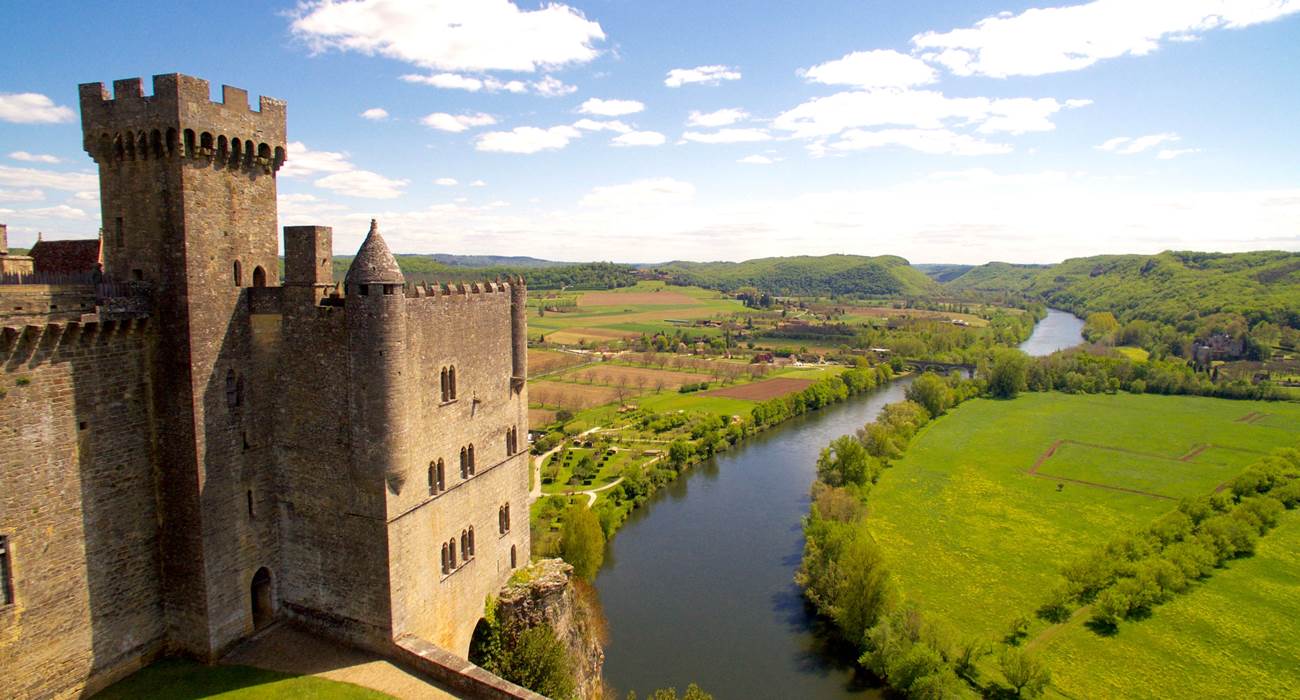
582 541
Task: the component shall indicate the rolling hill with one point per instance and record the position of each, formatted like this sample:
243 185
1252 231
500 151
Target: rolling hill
850 275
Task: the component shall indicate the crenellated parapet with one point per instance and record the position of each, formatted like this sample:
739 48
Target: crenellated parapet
454 290
180 121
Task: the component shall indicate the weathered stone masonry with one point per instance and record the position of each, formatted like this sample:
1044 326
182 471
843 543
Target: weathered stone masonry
192 449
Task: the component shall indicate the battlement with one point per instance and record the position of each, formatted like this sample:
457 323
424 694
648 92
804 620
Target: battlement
180 119
458 290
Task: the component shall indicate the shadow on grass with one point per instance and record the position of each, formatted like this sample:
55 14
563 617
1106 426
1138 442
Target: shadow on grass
177 679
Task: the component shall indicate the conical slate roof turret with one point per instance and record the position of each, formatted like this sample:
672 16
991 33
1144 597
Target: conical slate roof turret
374 263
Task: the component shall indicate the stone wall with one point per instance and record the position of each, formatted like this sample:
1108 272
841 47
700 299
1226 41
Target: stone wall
78 504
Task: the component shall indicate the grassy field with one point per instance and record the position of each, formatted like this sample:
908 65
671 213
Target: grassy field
648 307
978 540
1233 636
174 679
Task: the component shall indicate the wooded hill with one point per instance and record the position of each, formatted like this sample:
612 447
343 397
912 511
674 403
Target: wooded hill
845 275
1167 287
540 274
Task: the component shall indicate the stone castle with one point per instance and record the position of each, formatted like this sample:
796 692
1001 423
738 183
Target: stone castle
193 444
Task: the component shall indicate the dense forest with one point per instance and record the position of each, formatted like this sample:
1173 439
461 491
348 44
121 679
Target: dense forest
540 274
1170 287
841 275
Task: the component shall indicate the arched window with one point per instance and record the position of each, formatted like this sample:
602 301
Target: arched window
279 156
442 477
507 508
471 460
155 140
451 547
444 384
433 479
236 146
248 152
189 143
223 148
464 545
173 143
205 144
451 381
129 143
464 463
119 151
513 561
237 273
471 540
264 153
446 562
142 146
259 276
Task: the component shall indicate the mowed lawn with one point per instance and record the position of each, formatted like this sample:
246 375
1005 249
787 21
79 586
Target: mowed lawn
1236 635
977 540
176 679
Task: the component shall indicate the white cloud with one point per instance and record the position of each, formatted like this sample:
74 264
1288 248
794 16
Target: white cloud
873 69
932 141
598 125
478 183
87 196
303 162
757 159
527 139
548 86
728 136
363 183
1171 153
61 211
1127 146
1075 104
457 123
650 192
31 177
610 108
305 209
921 109
451 35
32 108
33 157
551 86
1040 41
721 117
639 138
704 75
375 114
28 195
446 182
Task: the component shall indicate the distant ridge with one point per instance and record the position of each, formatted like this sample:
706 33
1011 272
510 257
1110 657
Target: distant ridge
850 275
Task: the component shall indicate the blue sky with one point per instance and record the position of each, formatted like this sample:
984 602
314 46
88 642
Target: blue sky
639 131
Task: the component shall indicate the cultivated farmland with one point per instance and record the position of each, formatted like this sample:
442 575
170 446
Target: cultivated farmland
547 361
989 502
764 390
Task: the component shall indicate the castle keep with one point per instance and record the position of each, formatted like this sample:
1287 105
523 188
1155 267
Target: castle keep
192 446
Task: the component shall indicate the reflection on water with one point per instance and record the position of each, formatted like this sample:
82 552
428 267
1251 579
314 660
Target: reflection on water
698 584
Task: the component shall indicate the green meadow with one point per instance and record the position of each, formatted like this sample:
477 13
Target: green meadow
977 539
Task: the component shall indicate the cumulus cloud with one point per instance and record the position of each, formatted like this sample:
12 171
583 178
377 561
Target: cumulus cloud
28 195
1127 146
702 75
716 118
873 69
727 136
375 114
550 86
1040 41
302 161
639 138
60 211
32 108
33 157
756 159
610 108
363 183
451 35
649 192
527 139
457 123
932 141
921 109
599 125
1171 153
31 177
446 182
478 183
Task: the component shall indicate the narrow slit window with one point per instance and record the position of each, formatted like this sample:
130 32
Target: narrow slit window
6 574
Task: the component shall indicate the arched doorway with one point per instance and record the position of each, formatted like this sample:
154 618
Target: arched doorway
263 598
259 277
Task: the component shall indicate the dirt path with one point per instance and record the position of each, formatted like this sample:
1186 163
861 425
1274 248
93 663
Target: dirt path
287 649
1051 631
1033 471
538 461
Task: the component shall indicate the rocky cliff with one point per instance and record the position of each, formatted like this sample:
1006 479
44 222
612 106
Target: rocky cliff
547 593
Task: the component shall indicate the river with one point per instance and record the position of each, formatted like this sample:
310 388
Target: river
698 585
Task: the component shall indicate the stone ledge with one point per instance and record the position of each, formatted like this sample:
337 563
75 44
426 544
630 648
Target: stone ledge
456 672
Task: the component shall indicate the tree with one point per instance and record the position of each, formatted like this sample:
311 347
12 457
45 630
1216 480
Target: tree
932 392
538 661
1009 374
845 462
679 453
1026 675
1101 327
582 541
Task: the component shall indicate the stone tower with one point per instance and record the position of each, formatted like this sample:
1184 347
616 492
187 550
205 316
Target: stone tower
188 196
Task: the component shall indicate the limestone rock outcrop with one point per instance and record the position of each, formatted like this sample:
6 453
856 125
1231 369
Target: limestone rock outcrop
548 592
